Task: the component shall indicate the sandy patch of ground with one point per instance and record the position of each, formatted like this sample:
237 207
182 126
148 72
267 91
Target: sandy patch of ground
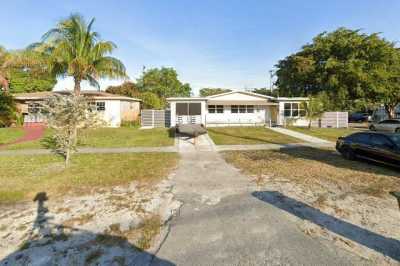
118 226
343 201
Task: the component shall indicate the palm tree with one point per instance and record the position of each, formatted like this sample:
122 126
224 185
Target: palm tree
73 49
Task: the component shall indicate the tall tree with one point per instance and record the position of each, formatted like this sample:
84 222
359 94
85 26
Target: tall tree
24 80
4 57
7 109
73 49
204 92
314 108
163 82
350 66
128 88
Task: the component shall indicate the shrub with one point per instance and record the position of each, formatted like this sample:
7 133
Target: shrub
8 109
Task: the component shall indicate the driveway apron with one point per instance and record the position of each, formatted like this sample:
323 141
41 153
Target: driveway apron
221 223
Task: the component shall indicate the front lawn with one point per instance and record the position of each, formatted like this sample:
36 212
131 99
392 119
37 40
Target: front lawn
248 135
330 134
111 138
22 177
126 137
8 135
312 166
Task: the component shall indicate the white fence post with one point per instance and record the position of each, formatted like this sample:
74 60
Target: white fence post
152 114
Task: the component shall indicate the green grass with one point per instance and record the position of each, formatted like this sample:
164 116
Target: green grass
22 177
247 135
8 135
111 138
35 144
331 134
126 137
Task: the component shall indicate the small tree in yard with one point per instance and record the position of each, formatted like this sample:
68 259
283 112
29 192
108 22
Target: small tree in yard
314 108
66 115
7 109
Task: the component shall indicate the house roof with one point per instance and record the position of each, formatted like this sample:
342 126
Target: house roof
292 99
177 99
97 95
242 92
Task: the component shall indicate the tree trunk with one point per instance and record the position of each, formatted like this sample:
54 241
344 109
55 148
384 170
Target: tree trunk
77 86
390 109
4 82
67 157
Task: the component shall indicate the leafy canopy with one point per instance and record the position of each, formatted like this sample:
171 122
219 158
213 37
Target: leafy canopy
164 83
128 88
73 49
212 91
7 109
354 69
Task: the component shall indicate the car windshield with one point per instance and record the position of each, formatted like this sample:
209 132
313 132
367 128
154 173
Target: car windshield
396 139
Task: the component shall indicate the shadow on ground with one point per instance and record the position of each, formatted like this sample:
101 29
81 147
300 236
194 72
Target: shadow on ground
387 246
57 244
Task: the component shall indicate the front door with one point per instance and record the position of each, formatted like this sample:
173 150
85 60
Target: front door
188 113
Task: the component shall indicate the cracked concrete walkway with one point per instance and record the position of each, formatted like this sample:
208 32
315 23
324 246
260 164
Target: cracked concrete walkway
221 223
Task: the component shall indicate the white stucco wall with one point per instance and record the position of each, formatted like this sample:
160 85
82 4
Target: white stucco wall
227 117
112 113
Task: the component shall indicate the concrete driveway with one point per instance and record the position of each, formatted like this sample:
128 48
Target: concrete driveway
221 223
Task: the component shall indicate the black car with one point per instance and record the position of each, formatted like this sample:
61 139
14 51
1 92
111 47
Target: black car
375 146
358 117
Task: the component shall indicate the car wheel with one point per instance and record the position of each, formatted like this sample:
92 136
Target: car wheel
349 154
397 130
372 128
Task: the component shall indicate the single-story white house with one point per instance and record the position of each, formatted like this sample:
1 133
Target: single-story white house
237 108
112 108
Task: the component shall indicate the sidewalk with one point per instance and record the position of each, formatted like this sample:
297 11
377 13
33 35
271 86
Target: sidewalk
304 137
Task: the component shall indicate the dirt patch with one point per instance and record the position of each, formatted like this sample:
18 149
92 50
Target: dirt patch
320 187
115 226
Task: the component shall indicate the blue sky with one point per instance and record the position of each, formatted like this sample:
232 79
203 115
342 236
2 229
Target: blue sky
211 43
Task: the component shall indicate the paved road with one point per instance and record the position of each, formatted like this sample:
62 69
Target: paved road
221 223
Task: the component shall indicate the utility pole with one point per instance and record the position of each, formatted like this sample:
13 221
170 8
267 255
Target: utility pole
271 72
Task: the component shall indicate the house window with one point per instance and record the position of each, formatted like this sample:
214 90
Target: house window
194 108
188 109
293 110
100 106
242 109
234 109
34 108
212 109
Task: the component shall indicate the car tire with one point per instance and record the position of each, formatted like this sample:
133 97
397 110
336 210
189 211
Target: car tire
372 128
349 154
397 130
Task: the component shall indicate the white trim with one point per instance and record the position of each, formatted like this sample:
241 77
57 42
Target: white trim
243 92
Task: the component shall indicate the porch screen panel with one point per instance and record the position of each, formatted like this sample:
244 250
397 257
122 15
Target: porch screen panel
181 109
194 108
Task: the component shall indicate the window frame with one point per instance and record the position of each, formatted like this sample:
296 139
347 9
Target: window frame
290 112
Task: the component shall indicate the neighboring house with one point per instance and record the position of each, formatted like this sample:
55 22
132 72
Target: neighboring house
114 109
236 108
